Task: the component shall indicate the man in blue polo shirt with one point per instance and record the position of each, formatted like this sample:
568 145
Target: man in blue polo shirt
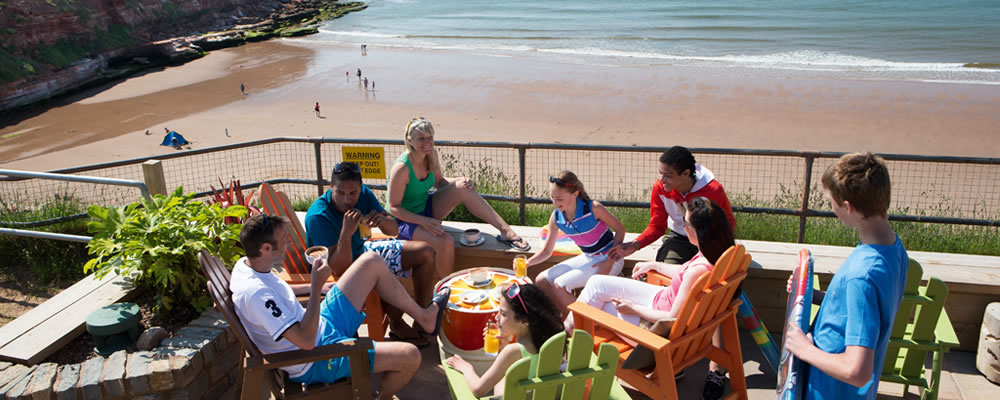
348 196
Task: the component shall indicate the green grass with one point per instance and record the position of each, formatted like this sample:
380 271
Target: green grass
50 262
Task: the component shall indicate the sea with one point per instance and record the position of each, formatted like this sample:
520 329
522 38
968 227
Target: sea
922 40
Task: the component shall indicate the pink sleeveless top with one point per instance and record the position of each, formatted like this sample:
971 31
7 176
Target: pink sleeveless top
665 298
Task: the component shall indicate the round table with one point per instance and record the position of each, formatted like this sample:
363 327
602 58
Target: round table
463 322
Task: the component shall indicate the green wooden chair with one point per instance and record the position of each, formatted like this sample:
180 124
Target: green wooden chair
583 370
921 326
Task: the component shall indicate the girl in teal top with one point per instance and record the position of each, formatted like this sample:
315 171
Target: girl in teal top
419 211
525 312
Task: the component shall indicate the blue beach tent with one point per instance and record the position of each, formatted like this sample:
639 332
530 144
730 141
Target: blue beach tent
173 139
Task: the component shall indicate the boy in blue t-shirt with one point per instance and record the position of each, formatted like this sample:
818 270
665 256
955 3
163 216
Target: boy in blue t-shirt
333 219
850 335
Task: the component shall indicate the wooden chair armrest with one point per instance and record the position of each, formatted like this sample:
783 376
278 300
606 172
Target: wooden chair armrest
656 278
585 312
358 347
944 333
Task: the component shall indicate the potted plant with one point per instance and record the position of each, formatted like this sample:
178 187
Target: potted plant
155 243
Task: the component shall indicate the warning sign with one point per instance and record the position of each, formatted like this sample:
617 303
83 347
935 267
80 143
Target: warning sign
371 160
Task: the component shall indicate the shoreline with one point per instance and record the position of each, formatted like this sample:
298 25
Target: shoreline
475 97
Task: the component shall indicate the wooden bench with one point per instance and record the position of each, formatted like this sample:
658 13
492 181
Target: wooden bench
43 330
973 281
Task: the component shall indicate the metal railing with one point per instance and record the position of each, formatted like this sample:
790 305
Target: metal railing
6 229
930 189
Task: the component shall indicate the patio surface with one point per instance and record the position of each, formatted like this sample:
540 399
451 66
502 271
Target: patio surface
959 378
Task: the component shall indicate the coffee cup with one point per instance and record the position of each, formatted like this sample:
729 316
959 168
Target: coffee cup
471 235
479 275
315 252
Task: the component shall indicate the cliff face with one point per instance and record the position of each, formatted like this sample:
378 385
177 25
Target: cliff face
48 47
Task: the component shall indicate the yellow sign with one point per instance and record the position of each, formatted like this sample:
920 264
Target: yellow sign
371 160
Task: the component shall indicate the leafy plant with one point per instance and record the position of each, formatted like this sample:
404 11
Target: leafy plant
233 195
155 243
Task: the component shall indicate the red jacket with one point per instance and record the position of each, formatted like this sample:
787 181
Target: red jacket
664 211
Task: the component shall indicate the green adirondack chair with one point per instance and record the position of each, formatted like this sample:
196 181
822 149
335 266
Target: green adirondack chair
582 368
921 326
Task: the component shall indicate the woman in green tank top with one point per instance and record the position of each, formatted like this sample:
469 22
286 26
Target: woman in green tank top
525 312
419 211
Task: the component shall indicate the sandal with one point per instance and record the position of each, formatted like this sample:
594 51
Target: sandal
513 243
441 299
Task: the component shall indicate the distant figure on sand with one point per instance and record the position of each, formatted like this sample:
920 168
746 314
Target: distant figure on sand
243 89
147 132
167 130
317 109
373 85
359 73
366 83
227 132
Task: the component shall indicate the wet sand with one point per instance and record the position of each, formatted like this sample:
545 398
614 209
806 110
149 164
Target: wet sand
478 97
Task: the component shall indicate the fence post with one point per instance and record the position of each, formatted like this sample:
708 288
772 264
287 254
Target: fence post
809 157
152 175
521 200
319 168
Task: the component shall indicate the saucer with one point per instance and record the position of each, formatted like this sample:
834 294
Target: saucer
468 280
474 296
473 244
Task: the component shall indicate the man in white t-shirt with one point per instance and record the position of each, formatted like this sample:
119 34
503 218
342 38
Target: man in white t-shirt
276 322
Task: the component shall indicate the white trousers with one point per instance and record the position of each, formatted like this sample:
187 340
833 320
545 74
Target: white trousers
601 289
573 274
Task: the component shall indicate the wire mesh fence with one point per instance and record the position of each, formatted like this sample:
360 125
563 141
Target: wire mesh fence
951 190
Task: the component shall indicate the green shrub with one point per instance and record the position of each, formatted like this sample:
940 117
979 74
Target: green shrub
156 243
50 262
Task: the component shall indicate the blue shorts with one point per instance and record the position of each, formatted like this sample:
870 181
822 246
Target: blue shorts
406 229
342 321
391 250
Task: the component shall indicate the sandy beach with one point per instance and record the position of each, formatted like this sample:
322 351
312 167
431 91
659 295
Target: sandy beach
478 97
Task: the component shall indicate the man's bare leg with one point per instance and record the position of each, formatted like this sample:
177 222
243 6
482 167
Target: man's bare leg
368 273
397 361
418 258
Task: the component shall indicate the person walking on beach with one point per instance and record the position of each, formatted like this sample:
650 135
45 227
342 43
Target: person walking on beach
243 89
373 85
366 83
227 132
359 73
317 108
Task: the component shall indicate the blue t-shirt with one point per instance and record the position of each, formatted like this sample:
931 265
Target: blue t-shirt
324 222
858 310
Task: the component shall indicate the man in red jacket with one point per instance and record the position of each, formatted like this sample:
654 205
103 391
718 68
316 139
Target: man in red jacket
681 178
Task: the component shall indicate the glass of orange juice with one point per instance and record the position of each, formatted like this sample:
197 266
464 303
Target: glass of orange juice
520 265
491 344
364 230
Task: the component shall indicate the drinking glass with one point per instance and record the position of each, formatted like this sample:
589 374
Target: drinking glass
520 265
364 230
491 344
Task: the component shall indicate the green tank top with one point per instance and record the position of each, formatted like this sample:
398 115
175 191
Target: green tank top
416 192
533 370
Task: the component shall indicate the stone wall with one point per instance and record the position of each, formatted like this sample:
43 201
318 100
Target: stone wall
201 361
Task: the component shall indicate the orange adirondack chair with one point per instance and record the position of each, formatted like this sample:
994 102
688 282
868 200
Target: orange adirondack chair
709 306
295 269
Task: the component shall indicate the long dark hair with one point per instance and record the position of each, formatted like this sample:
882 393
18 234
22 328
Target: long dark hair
541 315
715 234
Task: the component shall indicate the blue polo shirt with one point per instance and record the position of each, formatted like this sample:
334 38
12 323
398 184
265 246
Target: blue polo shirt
858 310
324 222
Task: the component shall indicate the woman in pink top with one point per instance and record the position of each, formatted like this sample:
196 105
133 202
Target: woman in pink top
707 226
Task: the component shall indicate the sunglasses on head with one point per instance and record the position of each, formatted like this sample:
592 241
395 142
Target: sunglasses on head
560 182
347 166
513 291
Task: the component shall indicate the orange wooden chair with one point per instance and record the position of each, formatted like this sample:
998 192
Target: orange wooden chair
709 306
295 269
259 369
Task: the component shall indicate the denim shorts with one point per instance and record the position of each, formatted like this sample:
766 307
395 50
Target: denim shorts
406 229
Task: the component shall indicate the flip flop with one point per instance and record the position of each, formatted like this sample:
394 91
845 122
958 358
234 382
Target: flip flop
512 243
418 340
441 299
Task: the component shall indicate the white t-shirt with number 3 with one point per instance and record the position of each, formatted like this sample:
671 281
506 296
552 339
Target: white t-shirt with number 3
267 307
